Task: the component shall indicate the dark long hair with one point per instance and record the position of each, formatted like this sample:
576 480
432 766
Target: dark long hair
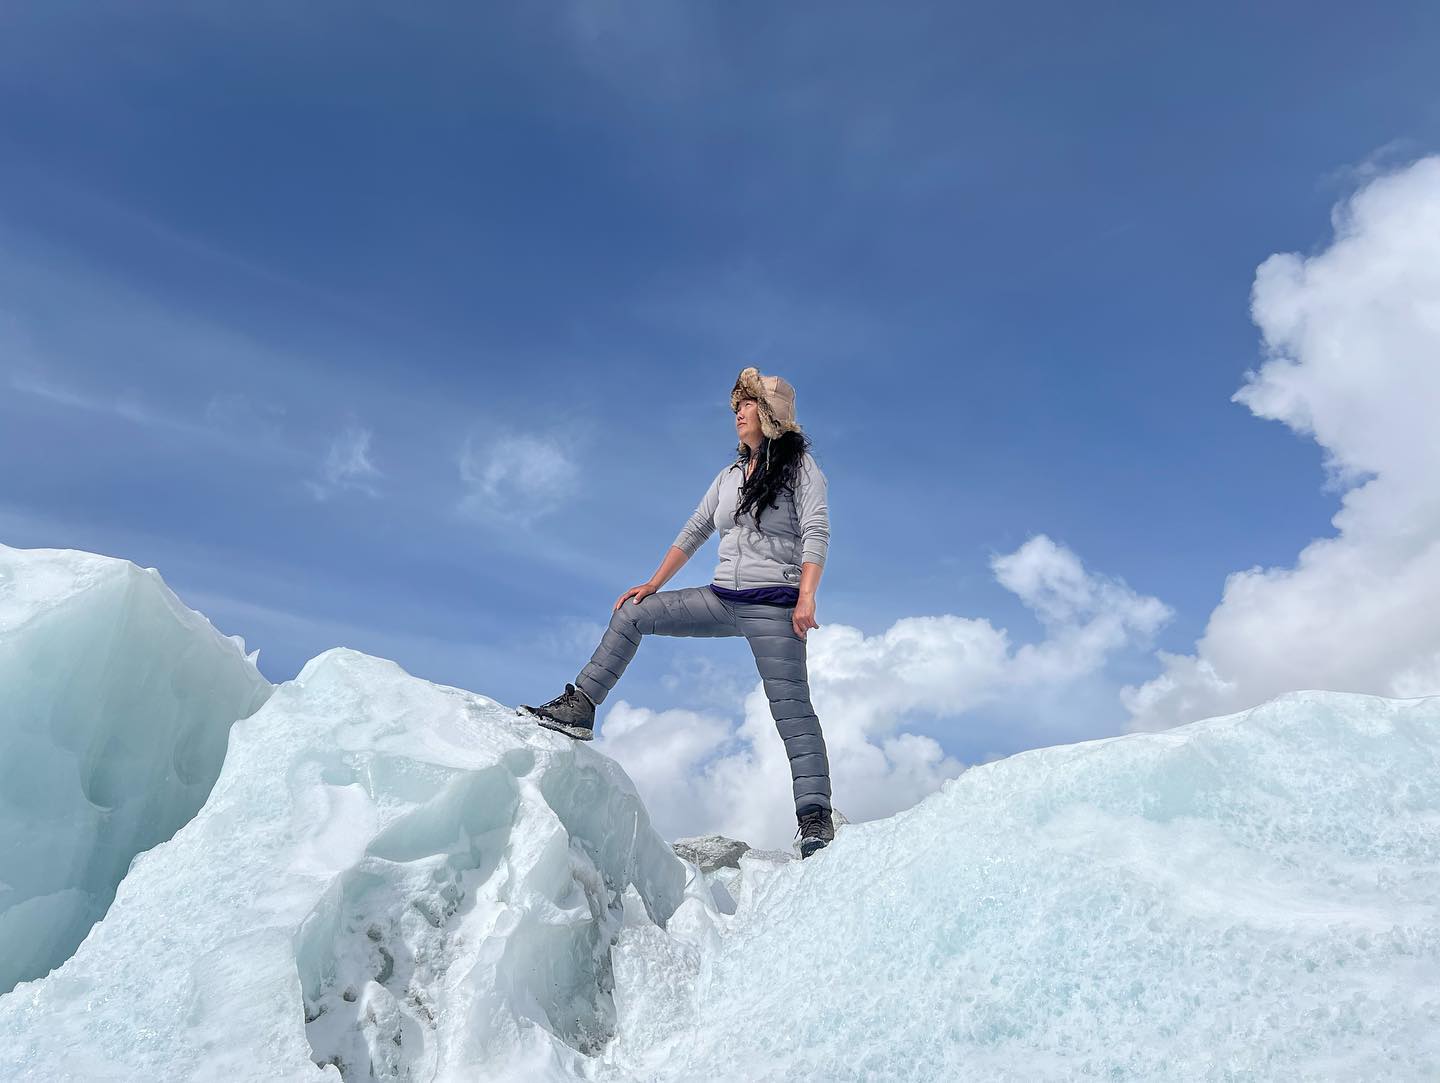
776 471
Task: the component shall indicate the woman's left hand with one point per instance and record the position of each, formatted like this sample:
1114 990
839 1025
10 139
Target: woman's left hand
804 617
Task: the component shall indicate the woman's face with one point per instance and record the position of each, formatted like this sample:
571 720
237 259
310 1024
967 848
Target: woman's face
747 422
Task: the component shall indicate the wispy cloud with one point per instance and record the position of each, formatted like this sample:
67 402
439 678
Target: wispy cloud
236 423
127 406
515 479
347 466
245 416
667 50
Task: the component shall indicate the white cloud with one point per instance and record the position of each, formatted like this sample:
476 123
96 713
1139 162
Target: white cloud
1352 359
700 772
1086 616
515 479
347 466
663 751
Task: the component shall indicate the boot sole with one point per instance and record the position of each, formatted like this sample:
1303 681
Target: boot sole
578 733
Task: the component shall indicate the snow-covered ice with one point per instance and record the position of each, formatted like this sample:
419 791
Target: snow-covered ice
406 881
115 703
1250 897
392 877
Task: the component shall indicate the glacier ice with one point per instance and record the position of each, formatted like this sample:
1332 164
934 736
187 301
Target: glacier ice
394 880
1250 897
117 700
391 878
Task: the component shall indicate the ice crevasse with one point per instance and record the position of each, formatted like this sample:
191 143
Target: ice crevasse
390 879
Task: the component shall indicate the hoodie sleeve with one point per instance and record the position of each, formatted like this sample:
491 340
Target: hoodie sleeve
701 523
811 490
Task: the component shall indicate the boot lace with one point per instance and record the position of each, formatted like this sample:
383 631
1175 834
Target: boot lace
564 698
812 825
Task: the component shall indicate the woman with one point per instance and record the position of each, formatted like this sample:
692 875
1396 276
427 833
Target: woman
769 506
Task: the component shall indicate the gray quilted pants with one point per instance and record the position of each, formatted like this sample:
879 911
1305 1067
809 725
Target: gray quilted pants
779 655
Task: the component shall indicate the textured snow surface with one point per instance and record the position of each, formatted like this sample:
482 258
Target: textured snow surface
115 703
390 877
393 880
1252 897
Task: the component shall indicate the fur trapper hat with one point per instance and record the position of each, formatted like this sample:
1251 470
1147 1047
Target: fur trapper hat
774 399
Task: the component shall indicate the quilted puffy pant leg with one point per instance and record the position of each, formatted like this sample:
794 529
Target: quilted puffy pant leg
779 656
694 611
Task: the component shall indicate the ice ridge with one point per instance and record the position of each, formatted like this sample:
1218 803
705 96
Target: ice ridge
390 880
117 704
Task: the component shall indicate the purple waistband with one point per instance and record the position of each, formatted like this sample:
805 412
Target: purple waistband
783 596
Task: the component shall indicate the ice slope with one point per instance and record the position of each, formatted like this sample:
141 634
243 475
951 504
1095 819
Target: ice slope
396 878
410 882
1250 897
115 703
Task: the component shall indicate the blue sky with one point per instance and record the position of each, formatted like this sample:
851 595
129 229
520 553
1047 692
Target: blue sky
414 331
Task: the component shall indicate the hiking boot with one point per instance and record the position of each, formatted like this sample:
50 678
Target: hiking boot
570 713
816 831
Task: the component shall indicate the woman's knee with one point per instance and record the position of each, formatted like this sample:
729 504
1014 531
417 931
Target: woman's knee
631 619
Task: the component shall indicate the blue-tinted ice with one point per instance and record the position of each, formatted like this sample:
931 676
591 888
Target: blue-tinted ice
396 880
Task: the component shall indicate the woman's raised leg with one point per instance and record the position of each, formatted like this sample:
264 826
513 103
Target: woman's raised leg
693 611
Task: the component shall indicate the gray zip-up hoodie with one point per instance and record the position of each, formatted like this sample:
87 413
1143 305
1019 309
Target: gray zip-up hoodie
796 530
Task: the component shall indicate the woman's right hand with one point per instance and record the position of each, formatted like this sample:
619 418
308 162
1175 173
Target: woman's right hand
640 593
